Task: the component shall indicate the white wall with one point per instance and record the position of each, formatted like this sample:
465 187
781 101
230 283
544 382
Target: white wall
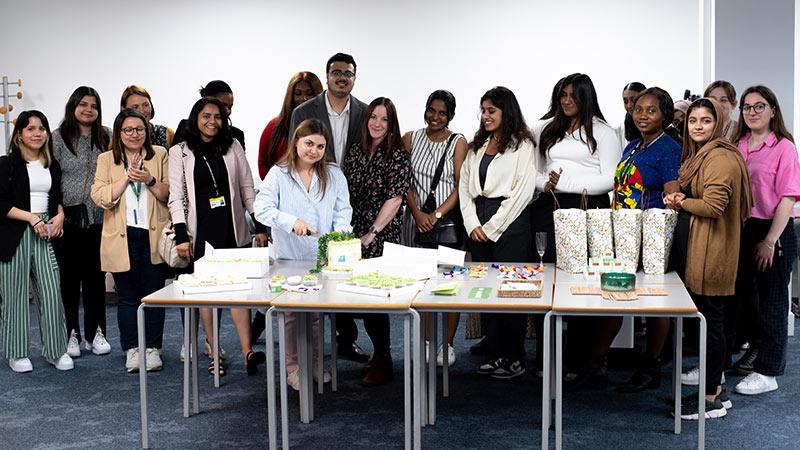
404 50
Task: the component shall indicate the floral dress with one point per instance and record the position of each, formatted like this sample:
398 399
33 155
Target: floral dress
371 182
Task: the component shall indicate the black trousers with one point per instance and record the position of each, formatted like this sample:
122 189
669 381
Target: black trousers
81 278
505 333
766 293
712 308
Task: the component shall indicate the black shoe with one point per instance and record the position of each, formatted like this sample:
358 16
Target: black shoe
724 399
744 365
254 359
508 369
352 352
690 410
590 380
641 380
480 349
490 366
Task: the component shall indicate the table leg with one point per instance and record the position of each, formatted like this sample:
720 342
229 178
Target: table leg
303 368
445 356
546 377
282 369
406 382
701 411
559 376
321 353
309 337
215 327
423 381
677 368
270 369
186 362
142 375
417 378
432 369
194 355
334 385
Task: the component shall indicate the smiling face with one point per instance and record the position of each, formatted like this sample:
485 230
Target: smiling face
310 149
628 96
700 125
34 136
724 101
341 78
757 121
568 103
378 124
141 104
86 111
209 120
647 115
491 116
132 133
302 92
436 116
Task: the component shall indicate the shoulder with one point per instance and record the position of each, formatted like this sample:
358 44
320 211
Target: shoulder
784 146
539 126
309 105
357 103
335 172
602 128
160 152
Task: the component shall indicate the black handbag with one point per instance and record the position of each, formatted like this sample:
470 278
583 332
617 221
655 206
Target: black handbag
76 217
449 230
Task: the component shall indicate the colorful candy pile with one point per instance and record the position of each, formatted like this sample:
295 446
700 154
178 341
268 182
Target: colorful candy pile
478 271
526 272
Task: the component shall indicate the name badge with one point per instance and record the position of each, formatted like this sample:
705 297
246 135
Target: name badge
217 202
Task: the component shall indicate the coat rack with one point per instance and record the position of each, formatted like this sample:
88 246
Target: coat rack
6 108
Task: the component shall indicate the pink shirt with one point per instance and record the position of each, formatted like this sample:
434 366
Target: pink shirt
774 173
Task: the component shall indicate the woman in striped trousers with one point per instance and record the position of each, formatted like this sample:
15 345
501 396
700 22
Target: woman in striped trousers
30 214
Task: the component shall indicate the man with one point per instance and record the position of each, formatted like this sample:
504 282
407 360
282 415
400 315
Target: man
343 113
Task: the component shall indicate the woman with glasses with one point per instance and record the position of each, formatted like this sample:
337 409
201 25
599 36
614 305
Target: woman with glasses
210 166
138 99
77 143
131 187
30 214
769 246
724 94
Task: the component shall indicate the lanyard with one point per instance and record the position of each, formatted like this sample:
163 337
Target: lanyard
213 178
135 187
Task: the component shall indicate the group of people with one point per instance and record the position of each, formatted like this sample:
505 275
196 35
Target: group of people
84 200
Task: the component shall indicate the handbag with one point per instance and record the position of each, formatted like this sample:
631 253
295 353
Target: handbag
449 230
76 217
167 248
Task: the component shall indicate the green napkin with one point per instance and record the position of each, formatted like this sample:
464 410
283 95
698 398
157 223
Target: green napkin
449 288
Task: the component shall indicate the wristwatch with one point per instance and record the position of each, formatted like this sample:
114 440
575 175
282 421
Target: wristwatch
152 182
437 214
372 230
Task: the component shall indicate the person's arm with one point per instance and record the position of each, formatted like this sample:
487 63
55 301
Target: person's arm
170 136
522 195
459 154
466 201
608 153
268 203
160 188
399 180
106 191
717 189
765 250
264 160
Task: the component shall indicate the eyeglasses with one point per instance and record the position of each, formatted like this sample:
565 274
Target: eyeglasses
130 131
339 74
758 108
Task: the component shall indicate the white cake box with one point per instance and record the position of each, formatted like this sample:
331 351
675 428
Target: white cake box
418 269
246 262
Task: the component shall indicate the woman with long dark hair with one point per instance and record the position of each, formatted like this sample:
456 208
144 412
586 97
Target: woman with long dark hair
627 130
219 189
498 183
221 91
131 186
30 214
77 143
378 174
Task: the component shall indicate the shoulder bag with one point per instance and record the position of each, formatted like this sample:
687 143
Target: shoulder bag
449 230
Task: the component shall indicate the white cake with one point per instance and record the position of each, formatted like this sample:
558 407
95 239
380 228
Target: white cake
343 254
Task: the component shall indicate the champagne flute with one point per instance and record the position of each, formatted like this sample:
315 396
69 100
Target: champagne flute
541 244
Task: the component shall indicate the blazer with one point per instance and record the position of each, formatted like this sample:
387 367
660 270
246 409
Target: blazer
114 241
315 108
15 192
240 182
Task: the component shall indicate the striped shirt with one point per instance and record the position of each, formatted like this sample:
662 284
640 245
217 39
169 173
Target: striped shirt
282 199
425 156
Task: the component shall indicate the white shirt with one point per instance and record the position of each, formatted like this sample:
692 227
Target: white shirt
40 182
136 207
339 126
582 169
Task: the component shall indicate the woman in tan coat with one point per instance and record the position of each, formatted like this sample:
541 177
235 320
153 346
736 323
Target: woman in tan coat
131 186
714 199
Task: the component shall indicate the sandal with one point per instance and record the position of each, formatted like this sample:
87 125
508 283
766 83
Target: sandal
221 368
253 360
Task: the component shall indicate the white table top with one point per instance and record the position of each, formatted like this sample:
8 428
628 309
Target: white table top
642 279
426 300
258 295
677 301
330 298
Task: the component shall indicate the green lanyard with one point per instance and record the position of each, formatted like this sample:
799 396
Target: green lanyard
135 187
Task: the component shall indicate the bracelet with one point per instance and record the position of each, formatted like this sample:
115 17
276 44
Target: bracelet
37 223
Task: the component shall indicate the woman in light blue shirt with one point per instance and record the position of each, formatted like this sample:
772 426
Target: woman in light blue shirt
302 197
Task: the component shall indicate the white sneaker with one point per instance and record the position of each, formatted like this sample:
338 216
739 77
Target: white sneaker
20 365
692 377
207 351
755 384
132 360
98 346
451 356
153 361
293 379
73 346
62 363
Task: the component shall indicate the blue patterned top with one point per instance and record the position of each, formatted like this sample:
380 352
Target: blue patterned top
642 172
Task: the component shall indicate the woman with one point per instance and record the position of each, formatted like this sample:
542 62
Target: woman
77 143
31 213
428 147
138 99
131 186
648 163
713 198
675 129
273 144
219 187
769 246
627 130
303 192
378 175
724 94
221 91
498 182
578 151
